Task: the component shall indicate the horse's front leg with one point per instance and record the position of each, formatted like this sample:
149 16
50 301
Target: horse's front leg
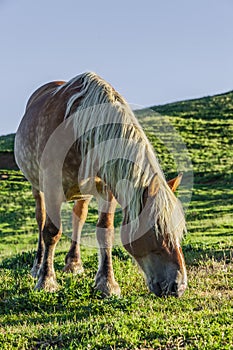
73 257
40 218
105 280
51 235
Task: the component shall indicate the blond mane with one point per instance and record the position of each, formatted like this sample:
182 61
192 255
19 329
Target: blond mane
114 147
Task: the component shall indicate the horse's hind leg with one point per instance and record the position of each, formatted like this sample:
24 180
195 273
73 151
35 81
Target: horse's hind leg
105 280
73 258
51 235
40 218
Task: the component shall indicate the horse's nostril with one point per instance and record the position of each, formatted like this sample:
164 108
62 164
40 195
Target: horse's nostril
177 289
174 288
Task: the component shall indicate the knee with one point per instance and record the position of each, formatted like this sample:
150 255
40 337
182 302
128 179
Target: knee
106 220
51 233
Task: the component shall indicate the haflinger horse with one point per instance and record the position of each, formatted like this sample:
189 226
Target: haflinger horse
80 139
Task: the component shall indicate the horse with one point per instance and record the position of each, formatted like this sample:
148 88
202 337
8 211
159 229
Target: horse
80 139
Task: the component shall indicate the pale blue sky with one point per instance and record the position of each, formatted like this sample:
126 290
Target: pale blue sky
152 51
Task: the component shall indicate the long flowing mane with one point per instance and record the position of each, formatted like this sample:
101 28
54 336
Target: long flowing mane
115 148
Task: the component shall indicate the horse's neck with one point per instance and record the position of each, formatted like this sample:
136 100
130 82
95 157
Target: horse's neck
130 198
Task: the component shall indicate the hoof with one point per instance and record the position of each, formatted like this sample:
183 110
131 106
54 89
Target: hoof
73 267
108 288
48 284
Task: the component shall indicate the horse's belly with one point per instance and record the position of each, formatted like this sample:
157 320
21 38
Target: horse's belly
85 189
74 193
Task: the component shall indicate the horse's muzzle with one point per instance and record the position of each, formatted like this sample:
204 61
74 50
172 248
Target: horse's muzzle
163 289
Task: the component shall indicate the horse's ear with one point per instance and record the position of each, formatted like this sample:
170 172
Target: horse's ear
153 186
174 183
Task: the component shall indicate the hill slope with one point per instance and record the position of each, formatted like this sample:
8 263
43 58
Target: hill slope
206 126
210 107
7 143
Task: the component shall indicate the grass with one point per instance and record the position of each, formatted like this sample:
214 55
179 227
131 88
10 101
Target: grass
7 143
75 317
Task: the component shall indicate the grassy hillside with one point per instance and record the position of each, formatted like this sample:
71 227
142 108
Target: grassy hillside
77 318
7 143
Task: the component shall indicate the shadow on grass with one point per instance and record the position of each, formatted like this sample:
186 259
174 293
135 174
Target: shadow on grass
198 253
44 313
19 261
195 256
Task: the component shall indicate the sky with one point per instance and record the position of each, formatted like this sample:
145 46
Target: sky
151 51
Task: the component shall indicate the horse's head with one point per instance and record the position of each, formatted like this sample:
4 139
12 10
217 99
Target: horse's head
161 259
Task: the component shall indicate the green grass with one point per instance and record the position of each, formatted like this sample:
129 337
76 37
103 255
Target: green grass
75 317
7 143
